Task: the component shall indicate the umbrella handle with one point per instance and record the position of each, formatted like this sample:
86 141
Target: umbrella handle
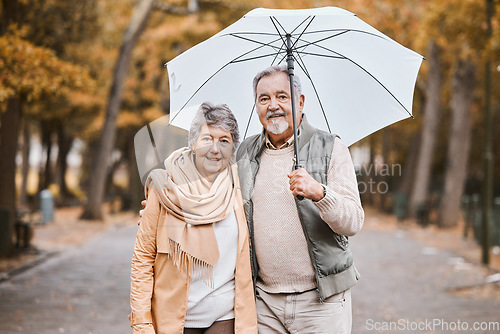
295 167
292 96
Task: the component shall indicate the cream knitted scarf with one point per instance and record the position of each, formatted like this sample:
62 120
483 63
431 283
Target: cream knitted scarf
193 204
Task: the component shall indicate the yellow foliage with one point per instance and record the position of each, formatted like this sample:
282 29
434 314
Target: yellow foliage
458 26
30 71
137 119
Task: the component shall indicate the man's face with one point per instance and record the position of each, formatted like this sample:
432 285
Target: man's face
274 106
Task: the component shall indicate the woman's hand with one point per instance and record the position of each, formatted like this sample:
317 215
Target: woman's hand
143 329
141 212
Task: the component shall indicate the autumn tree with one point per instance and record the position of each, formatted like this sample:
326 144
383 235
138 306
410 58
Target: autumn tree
29 73
107 138
464 38
429 130
463 85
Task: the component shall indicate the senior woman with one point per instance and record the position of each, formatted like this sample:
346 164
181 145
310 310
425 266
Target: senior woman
191 266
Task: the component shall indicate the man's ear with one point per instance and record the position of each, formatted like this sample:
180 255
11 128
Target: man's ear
302 100
300 108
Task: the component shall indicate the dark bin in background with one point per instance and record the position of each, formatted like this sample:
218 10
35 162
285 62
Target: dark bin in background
47 206
400 205
495 230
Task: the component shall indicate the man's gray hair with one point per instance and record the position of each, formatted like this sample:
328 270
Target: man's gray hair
219 116
277 69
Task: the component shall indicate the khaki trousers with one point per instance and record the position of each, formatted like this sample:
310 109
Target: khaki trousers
302 313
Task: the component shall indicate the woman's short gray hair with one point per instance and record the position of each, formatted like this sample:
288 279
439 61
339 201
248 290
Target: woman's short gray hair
219 116
277 69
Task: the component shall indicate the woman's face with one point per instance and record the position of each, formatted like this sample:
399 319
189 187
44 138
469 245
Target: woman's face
213 149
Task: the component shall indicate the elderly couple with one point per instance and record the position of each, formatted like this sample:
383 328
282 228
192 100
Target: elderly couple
218 253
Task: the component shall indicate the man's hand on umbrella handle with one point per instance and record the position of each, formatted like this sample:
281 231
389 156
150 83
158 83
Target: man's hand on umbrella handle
141 212
303 184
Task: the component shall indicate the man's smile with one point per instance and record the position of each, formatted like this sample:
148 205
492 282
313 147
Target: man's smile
275 115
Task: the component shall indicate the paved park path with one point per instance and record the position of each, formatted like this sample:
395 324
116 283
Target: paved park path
403 289
81 291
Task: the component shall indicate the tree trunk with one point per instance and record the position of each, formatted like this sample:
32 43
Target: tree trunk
9 131
382 176
136 190
408 174
10 121
409 168
459 143
64 144
23 196
45 173
11 12
100 164
430 126
366 181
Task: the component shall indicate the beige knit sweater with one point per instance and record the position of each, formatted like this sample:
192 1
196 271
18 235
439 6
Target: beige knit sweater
280 244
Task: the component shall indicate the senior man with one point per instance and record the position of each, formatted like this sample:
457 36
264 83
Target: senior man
301 262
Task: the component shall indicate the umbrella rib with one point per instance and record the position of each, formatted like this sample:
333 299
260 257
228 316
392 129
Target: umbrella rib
320 55
344 30
283 58
257 48
273 19
253 107
297 27
233 61
249 33
277 54
341 56
302 65
367 72
215 73
253 58
153 143
307 43
249 120
307 26
262 44
199 88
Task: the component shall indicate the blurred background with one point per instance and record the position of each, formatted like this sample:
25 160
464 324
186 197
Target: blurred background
79 79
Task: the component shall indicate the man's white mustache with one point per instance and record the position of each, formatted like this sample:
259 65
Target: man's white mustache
275 113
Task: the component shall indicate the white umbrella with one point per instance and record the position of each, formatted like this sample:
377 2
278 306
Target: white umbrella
356 80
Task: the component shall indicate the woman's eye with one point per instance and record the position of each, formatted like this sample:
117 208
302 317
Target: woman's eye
206 139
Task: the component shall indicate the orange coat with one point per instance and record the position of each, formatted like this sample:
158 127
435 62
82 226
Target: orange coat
159 290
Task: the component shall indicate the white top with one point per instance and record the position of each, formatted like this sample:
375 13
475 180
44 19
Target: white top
206 305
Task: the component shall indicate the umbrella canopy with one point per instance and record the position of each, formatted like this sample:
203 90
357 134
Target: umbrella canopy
355 79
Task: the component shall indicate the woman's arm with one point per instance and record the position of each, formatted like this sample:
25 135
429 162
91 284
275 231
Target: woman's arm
142 279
